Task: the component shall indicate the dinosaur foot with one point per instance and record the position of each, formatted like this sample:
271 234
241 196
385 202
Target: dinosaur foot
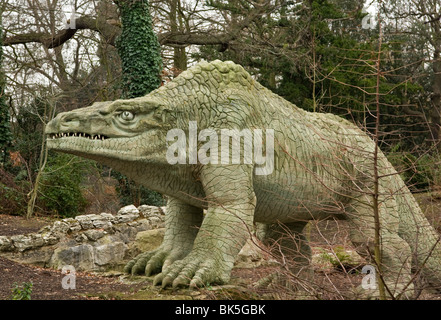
195 271
153 262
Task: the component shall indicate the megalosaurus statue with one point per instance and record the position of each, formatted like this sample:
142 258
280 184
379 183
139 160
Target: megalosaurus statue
285 167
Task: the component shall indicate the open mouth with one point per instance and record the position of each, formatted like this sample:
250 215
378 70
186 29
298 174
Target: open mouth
77 135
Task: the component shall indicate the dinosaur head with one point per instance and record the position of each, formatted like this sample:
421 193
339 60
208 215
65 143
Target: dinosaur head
128 130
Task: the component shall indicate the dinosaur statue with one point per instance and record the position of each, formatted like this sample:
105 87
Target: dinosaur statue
320 166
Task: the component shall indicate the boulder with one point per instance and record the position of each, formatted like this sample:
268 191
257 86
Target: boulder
111 254
94 234
250 256
5 244
148 240
147 211
27 241
128 210
85 221
80 256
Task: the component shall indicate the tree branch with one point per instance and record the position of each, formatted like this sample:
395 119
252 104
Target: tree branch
110 29
107 29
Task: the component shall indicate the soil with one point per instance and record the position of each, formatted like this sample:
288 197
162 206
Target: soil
47 283
15 225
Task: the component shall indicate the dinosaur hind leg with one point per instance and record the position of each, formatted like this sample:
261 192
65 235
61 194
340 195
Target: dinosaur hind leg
289 246
396 255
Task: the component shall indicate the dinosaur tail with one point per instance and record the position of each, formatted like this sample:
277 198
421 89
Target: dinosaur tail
424 240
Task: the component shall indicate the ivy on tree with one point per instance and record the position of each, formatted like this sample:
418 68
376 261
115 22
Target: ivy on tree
141 63
139 49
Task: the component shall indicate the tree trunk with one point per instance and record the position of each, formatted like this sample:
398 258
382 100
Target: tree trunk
436 98
179 55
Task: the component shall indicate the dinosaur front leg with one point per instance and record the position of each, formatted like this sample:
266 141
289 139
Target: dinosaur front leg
182 223
231 204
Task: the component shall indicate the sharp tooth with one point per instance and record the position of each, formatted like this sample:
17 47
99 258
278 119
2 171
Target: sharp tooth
102 138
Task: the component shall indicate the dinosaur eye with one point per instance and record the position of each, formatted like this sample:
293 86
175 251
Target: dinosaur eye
127 116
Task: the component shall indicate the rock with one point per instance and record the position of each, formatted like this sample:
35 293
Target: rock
126 218
157 222
107 216
128 210
102 221
94 234
5 244
73 224
147 211
81 237
143 225
37 258
250 256
27 241
85 221
49 238
127 214
325 259
60 228
148 240
81 257
110 254
102 224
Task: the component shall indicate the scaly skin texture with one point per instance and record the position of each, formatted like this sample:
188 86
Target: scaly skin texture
323 168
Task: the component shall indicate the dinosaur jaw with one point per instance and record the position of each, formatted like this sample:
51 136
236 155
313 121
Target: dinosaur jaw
95 147
107 149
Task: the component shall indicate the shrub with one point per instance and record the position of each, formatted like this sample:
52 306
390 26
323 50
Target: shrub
12 195
61 184
421 173
23 291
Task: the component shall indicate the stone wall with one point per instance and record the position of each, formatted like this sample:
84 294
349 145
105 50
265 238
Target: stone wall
93 242
101 242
